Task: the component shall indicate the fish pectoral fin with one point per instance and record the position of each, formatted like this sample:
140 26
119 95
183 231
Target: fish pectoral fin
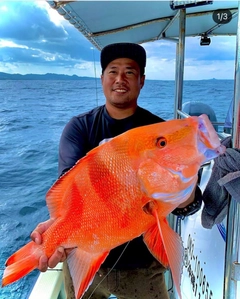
174 249
166 246
83 267
154 242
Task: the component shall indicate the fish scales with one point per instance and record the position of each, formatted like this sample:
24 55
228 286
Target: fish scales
122 189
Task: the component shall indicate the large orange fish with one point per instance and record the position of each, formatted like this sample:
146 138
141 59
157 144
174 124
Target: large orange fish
122 189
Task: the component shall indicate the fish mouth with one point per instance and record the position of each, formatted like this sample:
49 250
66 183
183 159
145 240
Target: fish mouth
208 142
184 179
180 196
177 197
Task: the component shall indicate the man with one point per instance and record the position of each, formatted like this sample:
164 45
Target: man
134 271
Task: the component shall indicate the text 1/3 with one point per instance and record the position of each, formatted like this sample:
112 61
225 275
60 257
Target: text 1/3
222 16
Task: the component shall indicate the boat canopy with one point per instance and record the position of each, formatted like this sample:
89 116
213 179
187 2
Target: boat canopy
105 22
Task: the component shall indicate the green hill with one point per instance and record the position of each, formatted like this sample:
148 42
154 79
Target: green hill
48 76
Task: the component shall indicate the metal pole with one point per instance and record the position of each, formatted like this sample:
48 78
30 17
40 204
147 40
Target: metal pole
232 266
180 51
95 74
236 118
179 71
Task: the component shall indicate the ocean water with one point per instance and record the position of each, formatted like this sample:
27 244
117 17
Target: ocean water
32 117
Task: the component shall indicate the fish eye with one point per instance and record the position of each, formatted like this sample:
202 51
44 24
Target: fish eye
161 142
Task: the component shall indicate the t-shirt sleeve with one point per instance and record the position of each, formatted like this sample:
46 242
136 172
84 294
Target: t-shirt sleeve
72 146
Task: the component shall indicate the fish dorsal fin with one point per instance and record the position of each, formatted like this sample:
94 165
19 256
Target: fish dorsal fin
57 194
83 267
60 190
167 246
54 198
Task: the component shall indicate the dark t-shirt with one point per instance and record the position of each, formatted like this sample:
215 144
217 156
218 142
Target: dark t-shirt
83 133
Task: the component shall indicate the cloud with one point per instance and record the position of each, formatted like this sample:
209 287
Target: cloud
24 21
201 62
33 33
220 48
34 38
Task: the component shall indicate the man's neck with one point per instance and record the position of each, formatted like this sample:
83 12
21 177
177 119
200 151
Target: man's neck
120 113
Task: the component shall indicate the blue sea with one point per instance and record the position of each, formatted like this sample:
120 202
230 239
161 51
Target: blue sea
32 117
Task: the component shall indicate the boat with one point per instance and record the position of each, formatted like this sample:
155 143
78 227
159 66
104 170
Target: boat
212 257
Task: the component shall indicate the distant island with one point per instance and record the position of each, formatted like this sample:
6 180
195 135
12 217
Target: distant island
51 76
48 76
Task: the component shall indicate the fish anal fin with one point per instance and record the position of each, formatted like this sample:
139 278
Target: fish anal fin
83 267
172 244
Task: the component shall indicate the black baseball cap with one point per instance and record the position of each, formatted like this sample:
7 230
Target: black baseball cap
123 50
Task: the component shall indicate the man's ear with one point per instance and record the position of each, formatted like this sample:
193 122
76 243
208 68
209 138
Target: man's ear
142 81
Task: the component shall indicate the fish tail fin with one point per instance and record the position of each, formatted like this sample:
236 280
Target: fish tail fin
20 264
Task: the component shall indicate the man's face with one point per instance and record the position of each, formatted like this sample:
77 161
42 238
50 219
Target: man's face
122 83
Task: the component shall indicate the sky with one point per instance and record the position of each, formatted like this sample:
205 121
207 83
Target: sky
35 39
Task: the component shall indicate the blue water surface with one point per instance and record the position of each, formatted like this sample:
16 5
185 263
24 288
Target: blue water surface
32 117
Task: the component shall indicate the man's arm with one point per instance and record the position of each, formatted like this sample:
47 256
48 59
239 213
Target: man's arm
73 145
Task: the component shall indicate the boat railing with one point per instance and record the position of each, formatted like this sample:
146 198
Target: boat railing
49 285
232 254
221 130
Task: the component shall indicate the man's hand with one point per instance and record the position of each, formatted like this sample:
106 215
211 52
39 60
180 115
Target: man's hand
58 256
